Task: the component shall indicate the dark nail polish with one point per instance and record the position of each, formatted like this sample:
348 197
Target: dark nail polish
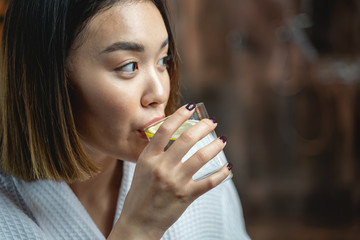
223 138
213 119
229 166
190 106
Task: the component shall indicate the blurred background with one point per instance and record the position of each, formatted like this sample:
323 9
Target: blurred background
282 77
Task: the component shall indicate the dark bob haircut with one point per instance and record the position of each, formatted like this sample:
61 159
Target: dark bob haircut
38 134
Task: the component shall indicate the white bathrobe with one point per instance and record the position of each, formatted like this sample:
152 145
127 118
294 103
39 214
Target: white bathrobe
49 210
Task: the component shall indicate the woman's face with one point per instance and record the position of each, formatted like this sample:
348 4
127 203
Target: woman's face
119 79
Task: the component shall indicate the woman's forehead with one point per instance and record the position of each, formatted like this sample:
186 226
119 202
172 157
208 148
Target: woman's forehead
135 21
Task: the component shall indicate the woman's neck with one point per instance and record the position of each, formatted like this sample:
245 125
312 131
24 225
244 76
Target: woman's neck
99 194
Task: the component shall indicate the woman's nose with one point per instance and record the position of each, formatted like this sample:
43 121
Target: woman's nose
157 89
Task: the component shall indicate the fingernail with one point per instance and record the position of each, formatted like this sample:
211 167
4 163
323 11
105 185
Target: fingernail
190 106
229 166
223 138
213 119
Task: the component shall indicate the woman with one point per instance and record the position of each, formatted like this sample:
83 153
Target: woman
81 79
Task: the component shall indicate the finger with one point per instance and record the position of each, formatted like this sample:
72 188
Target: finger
210 182
201 157
189 138
167 129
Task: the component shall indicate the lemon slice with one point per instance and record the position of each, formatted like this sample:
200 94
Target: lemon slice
186 125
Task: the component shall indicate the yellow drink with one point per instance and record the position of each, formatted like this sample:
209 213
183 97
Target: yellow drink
150 131
210 167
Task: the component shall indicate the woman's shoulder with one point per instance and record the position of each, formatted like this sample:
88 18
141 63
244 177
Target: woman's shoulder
215 215
16 221
225 195
9 194
8 190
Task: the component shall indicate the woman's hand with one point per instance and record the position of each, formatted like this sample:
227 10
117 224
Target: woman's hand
162 186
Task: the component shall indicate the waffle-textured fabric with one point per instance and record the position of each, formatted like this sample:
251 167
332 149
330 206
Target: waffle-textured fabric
49 210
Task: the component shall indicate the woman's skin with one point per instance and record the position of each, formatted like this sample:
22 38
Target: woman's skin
120 85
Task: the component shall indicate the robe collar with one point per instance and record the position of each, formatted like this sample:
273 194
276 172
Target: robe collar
59 213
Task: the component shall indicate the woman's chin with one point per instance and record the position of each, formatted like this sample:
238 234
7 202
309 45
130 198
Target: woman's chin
133 157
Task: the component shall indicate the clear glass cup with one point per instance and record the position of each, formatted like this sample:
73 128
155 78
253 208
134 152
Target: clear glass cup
210 167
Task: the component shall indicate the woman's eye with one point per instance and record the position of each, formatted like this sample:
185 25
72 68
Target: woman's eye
129 68
165 61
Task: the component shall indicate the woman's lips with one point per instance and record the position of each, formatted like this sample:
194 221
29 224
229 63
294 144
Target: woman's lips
153 121
142 132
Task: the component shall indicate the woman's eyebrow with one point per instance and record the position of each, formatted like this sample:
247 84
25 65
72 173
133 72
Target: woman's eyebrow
129 46
166 42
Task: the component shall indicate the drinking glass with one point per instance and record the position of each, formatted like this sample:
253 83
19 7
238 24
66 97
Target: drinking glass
210 167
